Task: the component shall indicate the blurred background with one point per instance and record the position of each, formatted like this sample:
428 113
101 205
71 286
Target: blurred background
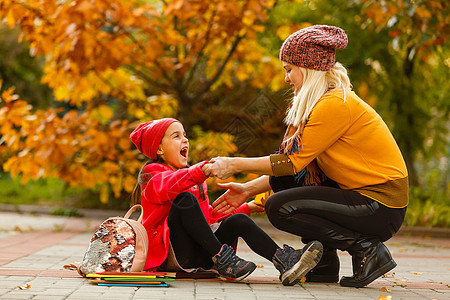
78 76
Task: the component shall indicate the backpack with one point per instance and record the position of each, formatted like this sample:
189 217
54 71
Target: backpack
118 245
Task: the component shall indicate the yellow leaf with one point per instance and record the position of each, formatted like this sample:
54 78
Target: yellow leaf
129 183
283 32
383 297
104 193
24 287
417 273
259 198
103 113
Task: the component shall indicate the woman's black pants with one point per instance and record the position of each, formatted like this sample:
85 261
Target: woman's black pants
338 218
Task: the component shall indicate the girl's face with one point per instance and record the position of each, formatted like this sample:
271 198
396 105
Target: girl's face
174 147
293 76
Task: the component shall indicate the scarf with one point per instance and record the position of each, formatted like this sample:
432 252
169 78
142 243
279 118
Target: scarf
292 143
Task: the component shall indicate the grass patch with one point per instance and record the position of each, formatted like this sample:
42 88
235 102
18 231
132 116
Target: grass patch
67 212
49 191
429 208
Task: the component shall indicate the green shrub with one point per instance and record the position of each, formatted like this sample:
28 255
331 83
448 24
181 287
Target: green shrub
428 208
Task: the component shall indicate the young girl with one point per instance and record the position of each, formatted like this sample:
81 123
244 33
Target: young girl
183 230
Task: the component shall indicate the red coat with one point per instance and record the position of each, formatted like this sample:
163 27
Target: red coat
156 198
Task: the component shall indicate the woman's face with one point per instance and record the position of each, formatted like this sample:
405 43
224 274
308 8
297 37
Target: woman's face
174 147
293 76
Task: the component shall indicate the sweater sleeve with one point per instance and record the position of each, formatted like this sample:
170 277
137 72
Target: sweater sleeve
327 123
167 184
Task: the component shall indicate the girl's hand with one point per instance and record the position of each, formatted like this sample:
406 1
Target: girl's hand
221 167
205 168
234 197
255 208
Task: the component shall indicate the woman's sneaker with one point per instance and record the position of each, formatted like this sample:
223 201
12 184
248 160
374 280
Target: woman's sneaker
229 266
294 264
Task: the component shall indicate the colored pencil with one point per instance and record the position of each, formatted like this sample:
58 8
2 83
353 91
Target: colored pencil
119 276
137 282
139 279
133 284
134 273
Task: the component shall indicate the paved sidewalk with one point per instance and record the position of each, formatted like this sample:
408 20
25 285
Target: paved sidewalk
34 249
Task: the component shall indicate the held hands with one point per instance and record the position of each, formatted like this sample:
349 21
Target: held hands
220 167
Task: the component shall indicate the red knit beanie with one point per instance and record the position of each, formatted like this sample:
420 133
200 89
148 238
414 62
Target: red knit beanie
147 136
313 47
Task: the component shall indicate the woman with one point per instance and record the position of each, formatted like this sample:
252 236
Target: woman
339 176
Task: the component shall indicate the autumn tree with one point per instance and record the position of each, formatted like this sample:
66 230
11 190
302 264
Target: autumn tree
398 59
114 62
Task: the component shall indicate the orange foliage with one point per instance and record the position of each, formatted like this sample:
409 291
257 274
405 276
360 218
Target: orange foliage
423 24
121 60
119 47
75 148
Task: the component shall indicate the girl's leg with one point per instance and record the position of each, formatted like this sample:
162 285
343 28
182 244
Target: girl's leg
193 242
292 264
240 225
195 245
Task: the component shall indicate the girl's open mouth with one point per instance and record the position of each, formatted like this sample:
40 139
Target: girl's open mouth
183 152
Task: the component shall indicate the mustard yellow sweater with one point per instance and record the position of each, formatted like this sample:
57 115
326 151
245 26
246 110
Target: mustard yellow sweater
355 148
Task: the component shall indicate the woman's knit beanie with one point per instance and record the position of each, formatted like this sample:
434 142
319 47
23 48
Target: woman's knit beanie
313 47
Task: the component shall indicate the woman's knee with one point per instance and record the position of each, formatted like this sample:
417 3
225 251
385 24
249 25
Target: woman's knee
273 205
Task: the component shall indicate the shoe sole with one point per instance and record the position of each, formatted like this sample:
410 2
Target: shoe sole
224 278
381 271
309 259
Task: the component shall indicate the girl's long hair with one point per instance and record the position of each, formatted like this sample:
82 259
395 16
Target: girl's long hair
142 179
315 85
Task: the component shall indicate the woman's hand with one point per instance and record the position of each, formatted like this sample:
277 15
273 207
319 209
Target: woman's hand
220 167
234 197
255 208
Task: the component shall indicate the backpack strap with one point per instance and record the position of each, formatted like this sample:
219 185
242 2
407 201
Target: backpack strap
132 209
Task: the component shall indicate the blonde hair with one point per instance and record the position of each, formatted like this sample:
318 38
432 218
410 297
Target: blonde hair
315 85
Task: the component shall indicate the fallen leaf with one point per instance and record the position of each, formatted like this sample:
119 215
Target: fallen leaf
385 289
390 274
383 297
417 273
70 267
25 287
302 280
259 266
402 250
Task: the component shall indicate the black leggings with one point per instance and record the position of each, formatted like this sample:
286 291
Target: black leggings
194 243
337 218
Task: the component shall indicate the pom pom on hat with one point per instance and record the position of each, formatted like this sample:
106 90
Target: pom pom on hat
313 47
147 136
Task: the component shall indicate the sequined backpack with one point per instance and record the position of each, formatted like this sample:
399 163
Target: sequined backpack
118 245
